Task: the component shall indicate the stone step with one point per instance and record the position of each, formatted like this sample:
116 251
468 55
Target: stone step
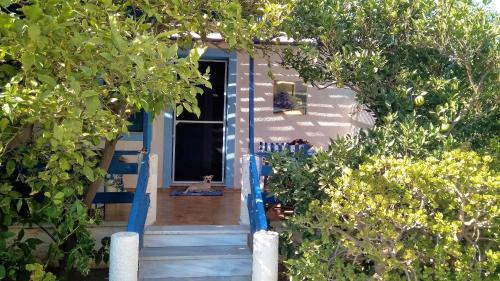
199 252
196 235
205 278
197 229
199 267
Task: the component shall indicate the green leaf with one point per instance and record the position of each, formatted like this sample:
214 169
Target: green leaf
32 12
88 172
6 108
4 122
179 110
89 93
11 165
171 51
93 104
2 271
47 79
28 60
34 32
196 110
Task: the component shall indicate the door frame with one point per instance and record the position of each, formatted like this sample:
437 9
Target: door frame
224 129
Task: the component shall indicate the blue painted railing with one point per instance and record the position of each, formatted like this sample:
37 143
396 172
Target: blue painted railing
256 211
140 198
140 204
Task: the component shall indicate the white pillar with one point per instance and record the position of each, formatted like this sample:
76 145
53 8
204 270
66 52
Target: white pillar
152 188
124 256
245 189
265 256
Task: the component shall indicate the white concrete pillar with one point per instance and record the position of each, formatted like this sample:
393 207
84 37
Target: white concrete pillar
245 189
265 256
124 256
152 188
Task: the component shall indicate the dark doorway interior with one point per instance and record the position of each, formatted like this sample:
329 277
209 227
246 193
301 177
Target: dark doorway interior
199 142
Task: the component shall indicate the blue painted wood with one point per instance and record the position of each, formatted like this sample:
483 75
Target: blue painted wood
140 204
251 106
230 119
265 170
168 132
256 211
119 167
148 131
113 197
123 168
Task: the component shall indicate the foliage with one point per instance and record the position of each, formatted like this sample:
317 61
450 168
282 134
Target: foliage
395 219
429 72
71 72
436 58
296 179
291 180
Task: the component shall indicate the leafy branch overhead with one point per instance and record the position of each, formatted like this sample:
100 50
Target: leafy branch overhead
71 73
401 56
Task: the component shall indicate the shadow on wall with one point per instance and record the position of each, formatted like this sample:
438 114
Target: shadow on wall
331 112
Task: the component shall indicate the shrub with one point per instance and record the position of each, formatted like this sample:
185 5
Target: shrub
297 179
404 219
292 181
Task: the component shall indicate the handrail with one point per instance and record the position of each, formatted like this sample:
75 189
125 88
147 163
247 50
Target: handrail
140 204
256 211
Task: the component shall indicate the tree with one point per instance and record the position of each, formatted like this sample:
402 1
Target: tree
71 72
438 58
429 71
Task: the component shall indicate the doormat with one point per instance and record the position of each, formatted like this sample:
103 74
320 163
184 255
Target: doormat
203 193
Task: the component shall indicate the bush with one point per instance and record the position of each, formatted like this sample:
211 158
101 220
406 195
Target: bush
292 181
297 179
404 219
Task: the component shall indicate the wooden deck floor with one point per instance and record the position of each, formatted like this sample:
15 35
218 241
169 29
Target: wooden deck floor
186 210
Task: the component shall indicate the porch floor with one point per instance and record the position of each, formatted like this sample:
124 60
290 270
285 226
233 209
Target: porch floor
188 210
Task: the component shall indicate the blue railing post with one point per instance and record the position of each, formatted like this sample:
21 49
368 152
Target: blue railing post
147 132
258 220
251 107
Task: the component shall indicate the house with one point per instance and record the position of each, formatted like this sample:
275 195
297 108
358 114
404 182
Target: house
252 100
189 148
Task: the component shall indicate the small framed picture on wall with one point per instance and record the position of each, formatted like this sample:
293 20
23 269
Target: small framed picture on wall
289 98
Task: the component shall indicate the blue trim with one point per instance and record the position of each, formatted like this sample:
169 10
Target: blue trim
231 119
168 135
255 203
231 58
113 197
140 203
148 131
132 136
251 121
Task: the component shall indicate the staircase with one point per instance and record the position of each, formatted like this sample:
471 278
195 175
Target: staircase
195 253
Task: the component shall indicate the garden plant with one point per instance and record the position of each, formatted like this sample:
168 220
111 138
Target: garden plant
415 197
